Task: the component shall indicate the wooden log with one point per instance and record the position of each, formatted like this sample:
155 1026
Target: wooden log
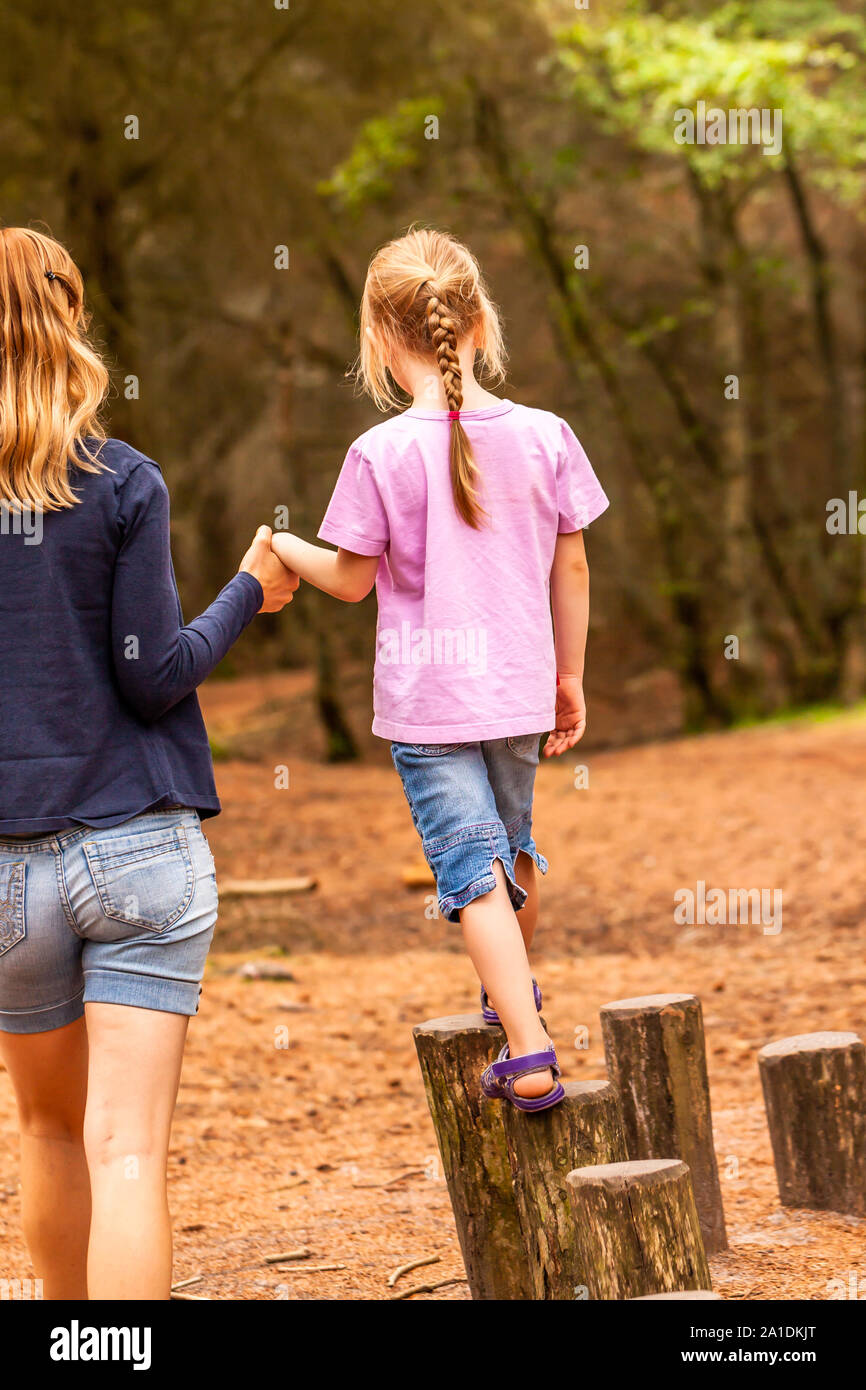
452 1053
636 1229
656 1058
265 887
815 1097
266 970
543 1149
418 876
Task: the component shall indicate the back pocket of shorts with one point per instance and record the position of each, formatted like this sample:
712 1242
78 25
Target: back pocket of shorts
145 880
12 928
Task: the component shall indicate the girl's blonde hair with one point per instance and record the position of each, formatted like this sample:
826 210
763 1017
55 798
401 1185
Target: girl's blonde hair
424 293
52 382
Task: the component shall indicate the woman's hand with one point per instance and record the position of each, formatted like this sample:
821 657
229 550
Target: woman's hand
570 716
278 583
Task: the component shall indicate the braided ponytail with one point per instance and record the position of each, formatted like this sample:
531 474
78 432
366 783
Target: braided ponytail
425 292
464 473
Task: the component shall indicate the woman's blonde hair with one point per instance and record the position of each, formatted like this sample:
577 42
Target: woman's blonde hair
424 293
52 382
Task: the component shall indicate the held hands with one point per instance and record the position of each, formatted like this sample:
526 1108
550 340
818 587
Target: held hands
278 583
570 716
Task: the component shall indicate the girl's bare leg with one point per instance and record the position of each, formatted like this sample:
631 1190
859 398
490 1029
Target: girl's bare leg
135 1062
527 879
527 918
493 939
49 1076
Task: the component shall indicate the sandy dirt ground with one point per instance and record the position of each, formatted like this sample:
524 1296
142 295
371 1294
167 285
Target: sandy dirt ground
301 1121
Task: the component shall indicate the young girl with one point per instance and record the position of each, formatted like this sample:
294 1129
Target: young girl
468 513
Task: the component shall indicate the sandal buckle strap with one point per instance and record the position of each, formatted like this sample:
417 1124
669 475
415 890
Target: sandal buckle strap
522 1066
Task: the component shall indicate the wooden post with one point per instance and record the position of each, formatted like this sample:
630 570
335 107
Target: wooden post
452 1053
815 1097
636 1229
543 1149
656 1058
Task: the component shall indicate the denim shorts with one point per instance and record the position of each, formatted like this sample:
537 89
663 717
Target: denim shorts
117 916
471 804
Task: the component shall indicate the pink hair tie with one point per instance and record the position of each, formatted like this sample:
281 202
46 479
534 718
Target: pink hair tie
454 415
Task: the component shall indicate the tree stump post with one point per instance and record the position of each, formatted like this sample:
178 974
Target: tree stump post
656 1058
636 1229
543 1149
452 1053
815 1097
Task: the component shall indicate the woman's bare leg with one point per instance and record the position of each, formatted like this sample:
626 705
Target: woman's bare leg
493 939
49 1076
135 1062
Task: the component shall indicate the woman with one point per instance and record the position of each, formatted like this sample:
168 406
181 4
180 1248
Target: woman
107 892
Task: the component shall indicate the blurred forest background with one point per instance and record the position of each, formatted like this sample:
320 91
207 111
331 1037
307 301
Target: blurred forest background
530 128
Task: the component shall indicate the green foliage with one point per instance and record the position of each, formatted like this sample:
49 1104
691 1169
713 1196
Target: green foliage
828 712
386 146
636 68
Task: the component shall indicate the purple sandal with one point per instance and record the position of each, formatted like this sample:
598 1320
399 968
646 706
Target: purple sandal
490 1014
497 1080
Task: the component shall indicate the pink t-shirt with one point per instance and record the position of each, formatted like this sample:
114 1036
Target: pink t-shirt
464 641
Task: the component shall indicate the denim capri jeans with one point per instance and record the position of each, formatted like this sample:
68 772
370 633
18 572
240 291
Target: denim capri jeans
472 804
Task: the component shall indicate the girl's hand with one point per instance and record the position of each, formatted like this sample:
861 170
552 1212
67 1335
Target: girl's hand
278 583
570 716
341 573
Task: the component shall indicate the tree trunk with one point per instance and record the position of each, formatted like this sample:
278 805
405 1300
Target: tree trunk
853 682
543 1148
720 264
845 562
815 1095
637 1229
452 1053
799 586
340 743
656 1058
341 746
820 283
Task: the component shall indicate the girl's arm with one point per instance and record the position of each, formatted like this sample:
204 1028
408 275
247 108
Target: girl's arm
340 573
157 659
569 592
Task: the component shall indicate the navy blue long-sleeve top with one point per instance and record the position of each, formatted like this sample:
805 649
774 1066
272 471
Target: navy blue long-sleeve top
99 717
